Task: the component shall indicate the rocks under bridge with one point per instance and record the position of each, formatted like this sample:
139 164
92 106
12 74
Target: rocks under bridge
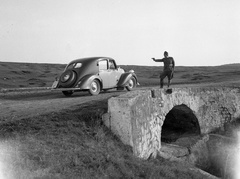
144 119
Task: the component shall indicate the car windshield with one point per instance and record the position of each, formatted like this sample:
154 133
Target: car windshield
74 65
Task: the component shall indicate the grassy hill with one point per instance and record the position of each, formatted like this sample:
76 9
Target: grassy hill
17 75
149 75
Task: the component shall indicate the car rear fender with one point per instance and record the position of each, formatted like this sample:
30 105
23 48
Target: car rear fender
125 77
85 82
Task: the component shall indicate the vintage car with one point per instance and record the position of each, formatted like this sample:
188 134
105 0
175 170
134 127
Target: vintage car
94 74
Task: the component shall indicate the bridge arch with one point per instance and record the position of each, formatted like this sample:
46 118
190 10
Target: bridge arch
179 122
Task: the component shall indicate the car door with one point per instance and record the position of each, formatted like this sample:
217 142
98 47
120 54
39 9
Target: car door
108 73
103 73
113 72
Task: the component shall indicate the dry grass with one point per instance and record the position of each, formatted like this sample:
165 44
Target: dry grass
225 75
75 144
15 75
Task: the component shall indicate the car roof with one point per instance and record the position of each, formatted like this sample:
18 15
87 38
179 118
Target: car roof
88 59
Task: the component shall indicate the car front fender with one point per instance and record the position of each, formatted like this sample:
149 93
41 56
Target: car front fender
125 77
85 82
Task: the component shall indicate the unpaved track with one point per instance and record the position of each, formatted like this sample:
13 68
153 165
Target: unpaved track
24 104
17 105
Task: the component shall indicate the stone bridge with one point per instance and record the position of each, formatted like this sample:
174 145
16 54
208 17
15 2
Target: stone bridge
144 118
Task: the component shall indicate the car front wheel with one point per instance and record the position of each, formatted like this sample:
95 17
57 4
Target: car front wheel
132 83
94 87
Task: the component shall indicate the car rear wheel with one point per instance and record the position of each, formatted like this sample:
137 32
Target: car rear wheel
94 87
67 93
132 83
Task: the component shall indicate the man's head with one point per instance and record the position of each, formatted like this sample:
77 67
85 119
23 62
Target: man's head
165 54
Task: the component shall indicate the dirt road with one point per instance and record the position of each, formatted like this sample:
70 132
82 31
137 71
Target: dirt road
17 105
24 104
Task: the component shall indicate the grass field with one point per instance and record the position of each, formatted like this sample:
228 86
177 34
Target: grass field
74 143
18 75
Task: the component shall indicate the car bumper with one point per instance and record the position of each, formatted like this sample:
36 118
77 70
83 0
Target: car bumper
55 84
65 89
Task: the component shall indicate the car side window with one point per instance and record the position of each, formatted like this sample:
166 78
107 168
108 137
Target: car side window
77 65
102 65
112 64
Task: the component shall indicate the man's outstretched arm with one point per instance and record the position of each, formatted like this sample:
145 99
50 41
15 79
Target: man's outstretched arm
157 60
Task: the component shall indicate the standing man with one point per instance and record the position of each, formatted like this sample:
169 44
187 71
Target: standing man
168 68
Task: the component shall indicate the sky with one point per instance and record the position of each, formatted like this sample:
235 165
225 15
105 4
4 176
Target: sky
194 32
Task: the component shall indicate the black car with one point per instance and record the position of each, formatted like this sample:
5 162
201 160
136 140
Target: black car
94 74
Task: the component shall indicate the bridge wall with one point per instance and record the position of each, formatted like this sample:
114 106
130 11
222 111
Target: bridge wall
137 117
